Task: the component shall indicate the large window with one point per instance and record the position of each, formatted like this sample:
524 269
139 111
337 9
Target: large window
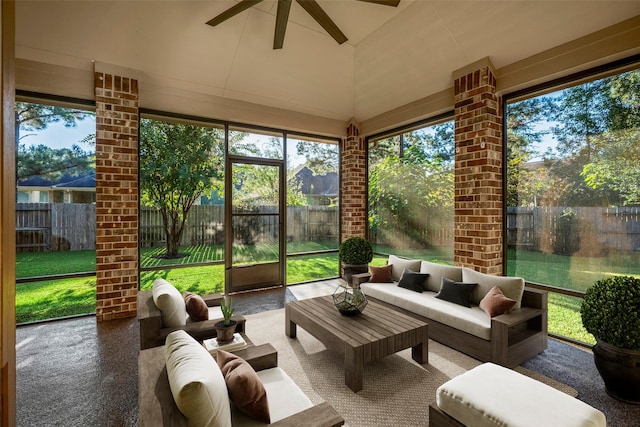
182 204
411 192
573 190
55 209
312 208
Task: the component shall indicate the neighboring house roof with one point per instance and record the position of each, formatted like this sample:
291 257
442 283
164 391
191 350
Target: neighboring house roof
66 182
317 185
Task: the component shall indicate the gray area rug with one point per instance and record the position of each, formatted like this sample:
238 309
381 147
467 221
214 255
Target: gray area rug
397 390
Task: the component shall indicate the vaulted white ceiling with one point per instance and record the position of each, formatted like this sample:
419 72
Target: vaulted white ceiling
393 56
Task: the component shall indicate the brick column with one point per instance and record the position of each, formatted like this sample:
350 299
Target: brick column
116 196
353 181
478 214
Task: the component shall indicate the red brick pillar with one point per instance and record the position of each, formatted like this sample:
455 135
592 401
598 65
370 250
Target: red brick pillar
353 180
478 170
116 196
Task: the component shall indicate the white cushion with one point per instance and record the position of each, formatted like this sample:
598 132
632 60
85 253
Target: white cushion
214 314
399 264
437 272
490 395
472 320
170 302
511 287
197 385
284 396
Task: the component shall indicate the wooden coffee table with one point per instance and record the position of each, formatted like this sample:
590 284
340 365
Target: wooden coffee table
377 332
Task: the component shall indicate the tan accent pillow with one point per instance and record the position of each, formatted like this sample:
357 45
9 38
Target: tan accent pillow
245 388
495 303
399 264
196 307
380 274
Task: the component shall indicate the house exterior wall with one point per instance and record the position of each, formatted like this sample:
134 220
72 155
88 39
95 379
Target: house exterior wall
117 194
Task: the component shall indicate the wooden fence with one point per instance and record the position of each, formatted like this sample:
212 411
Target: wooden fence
71 226
588 231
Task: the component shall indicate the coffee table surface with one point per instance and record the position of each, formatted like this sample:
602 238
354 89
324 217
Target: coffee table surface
377 332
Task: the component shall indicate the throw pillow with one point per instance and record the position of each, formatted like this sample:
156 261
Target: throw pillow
456 292
412 280
196 383
170 303
380 274
245 388
399 264
495 303
196 307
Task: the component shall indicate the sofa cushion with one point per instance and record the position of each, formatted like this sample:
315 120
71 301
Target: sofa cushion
412 280
437 272
511 287
170 303
470 320
245 388
285 398
381 274
490 395
399 264
456 292
196 383
495 303
196 307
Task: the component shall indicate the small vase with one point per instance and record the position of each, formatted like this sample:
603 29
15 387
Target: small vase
224 333
349 300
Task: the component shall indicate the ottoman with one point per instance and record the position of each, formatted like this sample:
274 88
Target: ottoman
492 395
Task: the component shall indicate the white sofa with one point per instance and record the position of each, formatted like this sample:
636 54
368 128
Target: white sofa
506 339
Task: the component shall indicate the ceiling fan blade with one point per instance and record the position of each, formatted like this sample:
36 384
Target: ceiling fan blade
317 13
393 3
232 11
282 17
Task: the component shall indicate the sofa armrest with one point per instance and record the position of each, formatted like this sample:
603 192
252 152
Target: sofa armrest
201 330
536 298
213 300
149 320
321 415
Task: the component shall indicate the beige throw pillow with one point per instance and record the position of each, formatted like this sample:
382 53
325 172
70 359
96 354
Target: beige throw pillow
196 383
399 264
170 303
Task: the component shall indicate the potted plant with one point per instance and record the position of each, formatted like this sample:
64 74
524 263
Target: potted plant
611 313
356 254
226 327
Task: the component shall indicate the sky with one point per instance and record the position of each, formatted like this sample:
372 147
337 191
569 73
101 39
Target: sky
56 135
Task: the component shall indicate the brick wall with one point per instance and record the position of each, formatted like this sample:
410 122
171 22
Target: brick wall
478 172
116 196
353 181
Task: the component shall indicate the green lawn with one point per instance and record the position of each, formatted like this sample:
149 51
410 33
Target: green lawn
57 298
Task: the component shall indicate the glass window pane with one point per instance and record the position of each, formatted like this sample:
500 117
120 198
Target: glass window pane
573 174
245 142
411 193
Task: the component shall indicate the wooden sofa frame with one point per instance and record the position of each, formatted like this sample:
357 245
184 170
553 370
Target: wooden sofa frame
515 337
153 333
157 407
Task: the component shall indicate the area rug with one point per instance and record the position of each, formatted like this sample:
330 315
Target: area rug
397 391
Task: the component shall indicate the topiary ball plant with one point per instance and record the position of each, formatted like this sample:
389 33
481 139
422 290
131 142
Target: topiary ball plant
355 251
611 311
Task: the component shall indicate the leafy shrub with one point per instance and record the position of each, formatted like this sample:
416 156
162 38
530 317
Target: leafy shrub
355 250
611 311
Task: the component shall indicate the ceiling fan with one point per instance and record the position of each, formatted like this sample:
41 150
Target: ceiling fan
282 16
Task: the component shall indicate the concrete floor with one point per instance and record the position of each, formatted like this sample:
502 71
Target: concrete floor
78 372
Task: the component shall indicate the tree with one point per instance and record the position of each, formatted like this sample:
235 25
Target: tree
178 164
45 161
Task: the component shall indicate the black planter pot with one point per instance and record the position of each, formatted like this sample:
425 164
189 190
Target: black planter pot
224 333
620 370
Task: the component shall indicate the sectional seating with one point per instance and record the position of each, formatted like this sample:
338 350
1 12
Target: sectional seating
163 309
181 384
507 325
490 395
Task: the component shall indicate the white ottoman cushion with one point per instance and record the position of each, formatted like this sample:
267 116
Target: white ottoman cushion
490 395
